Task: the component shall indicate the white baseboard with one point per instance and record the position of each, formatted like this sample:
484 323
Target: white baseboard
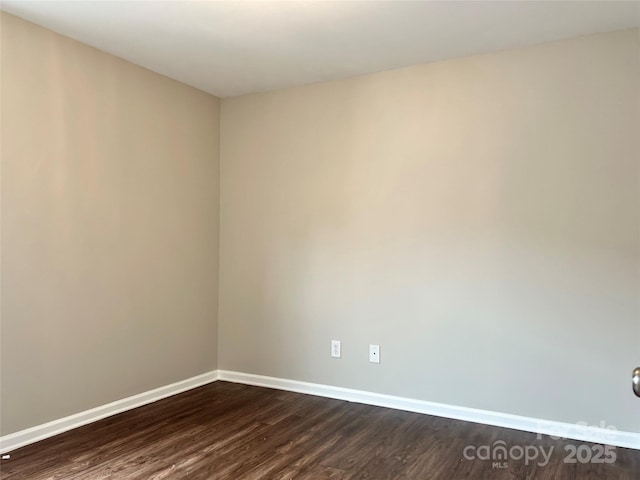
40 432
544 427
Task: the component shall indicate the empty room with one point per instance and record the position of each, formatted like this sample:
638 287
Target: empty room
305 240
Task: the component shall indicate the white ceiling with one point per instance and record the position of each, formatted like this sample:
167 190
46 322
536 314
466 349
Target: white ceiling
233 47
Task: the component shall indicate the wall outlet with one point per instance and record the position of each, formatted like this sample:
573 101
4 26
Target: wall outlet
374 353
336 348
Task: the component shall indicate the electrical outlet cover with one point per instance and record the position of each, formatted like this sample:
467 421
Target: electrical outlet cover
336 348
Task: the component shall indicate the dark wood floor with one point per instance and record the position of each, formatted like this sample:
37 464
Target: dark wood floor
229 431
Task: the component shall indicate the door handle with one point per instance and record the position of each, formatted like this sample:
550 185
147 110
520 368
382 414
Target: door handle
635 380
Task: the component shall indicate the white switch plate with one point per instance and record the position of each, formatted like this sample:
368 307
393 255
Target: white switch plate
336 348
374 353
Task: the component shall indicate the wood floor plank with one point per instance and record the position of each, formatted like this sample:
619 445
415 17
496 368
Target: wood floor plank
237 432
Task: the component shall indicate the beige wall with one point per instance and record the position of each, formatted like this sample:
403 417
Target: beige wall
109 227
478 218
